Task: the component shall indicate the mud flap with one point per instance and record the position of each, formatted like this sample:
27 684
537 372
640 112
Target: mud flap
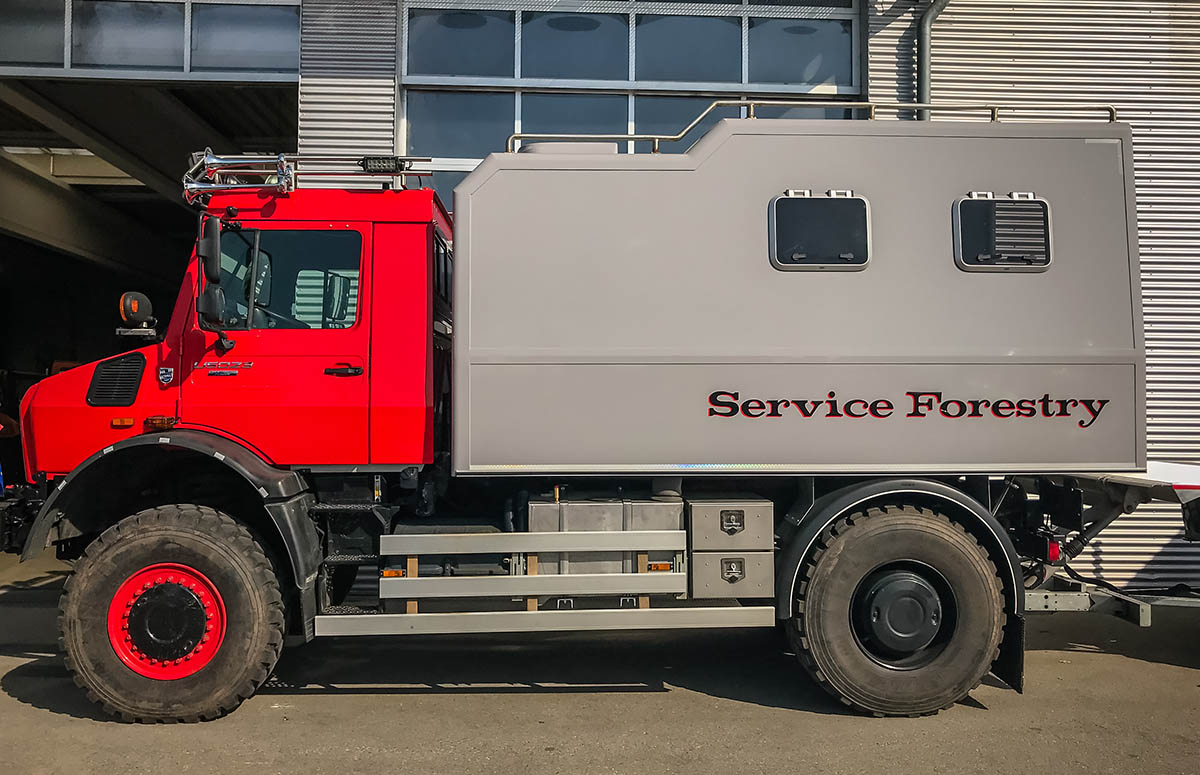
1009 666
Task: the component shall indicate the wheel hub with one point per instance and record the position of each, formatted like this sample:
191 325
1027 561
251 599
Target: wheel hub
166 621
897 613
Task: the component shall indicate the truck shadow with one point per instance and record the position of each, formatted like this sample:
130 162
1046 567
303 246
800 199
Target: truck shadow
747 666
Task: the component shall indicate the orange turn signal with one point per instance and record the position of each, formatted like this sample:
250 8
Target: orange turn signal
393 573
660 566
120 423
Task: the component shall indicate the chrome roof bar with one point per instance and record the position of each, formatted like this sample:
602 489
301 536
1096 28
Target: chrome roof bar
278 173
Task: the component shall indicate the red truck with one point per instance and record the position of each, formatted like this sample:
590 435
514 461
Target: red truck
630 393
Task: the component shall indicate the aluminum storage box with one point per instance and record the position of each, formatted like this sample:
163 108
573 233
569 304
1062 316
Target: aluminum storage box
622 313
583 513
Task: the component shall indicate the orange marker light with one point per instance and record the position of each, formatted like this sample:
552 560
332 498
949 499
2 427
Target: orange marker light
660 566
393 573
120 423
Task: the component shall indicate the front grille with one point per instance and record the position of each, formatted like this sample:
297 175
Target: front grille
115 381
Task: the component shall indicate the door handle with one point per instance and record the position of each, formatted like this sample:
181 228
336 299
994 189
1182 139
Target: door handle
344 371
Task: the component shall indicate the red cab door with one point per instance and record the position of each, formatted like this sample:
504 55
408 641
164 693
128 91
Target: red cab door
294 386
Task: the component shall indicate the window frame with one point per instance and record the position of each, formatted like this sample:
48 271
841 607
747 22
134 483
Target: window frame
961 262
772 246
631 87
65 67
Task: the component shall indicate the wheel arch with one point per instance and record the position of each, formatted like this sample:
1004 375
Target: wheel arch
960 507
132 474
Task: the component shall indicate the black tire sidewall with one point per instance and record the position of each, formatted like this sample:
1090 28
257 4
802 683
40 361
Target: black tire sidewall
905 535
217 686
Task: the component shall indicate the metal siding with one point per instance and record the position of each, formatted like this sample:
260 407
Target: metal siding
1144 57
347 83
891 51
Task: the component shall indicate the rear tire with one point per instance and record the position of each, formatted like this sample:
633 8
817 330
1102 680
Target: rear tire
898 611
172 614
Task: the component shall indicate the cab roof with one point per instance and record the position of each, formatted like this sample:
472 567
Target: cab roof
377 205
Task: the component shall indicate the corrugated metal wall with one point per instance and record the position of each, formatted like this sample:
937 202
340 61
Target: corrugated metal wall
1144 57
347 81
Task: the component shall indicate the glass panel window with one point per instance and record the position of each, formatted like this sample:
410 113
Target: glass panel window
801 51
668 115
245 37
818 232
575 45
31 32
460 42
303 279
575 113
689 48
127 34
460 124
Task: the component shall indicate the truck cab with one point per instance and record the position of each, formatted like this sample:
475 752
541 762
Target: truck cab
284 364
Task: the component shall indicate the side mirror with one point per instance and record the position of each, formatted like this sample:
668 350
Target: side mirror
208 248
337 298
210 307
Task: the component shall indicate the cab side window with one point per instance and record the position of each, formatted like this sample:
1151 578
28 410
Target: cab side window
290 278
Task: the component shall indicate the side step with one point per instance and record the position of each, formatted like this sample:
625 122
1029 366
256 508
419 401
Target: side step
546 621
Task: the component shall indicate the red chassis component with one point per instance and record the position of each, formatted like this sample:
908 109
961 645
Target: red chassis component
282 397
166 621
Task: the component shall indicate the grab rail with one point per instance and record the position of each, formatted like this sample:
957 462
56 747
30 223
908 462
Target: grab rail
751 106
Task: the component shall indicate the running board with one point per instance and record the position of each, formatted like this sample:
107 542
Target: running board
661 583
546 621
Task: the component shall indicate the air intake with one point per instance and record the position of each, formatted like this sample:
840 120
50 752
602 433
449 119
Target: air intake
115 381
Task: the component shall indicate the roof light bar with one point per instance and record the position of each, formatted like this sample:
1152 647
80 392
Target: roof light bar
279 173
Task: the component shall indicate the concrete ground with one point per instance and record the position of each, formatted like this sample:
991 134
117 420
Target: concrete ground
1102 696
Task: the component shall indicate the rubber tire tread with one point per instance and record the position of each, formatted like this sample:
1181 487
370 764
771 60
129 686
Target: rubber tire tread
227 541
828 544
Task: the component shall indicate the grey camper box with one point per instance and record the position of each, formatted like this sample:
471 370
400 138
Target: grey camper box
627 313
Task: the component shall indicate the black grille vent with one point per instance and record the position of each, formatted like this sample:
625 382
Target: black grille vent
115 381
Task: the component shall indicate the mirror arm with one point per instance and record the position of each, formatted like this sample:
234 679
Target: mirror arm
224 342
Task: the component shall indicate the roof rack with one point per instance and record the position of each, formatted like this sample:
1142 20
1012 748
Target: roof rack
994 112
278 173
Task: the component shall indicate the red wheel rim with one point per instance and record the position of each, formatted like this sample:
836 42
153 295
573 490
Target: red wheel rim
166 621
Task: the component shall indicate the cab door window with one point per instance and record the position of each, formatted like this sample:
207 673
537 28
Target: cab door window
291 279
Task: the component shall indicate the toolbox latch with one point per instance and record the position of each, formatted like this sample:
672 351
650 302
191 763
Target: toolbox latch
733 521
733 569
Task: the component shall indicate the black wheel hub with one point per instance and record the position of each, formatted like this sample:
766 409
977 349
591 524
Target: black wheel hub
898 614
167 621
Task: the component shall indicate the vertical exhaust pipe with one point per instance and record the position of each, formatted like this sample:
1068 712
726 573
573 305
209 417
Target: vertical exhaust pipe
925 54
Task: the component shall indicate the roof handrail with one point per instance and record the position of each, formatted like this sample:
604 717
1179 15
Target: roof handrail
872 108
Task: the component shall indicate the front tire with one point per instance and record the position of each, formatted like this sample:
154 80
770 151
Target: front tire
899 611
172 614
